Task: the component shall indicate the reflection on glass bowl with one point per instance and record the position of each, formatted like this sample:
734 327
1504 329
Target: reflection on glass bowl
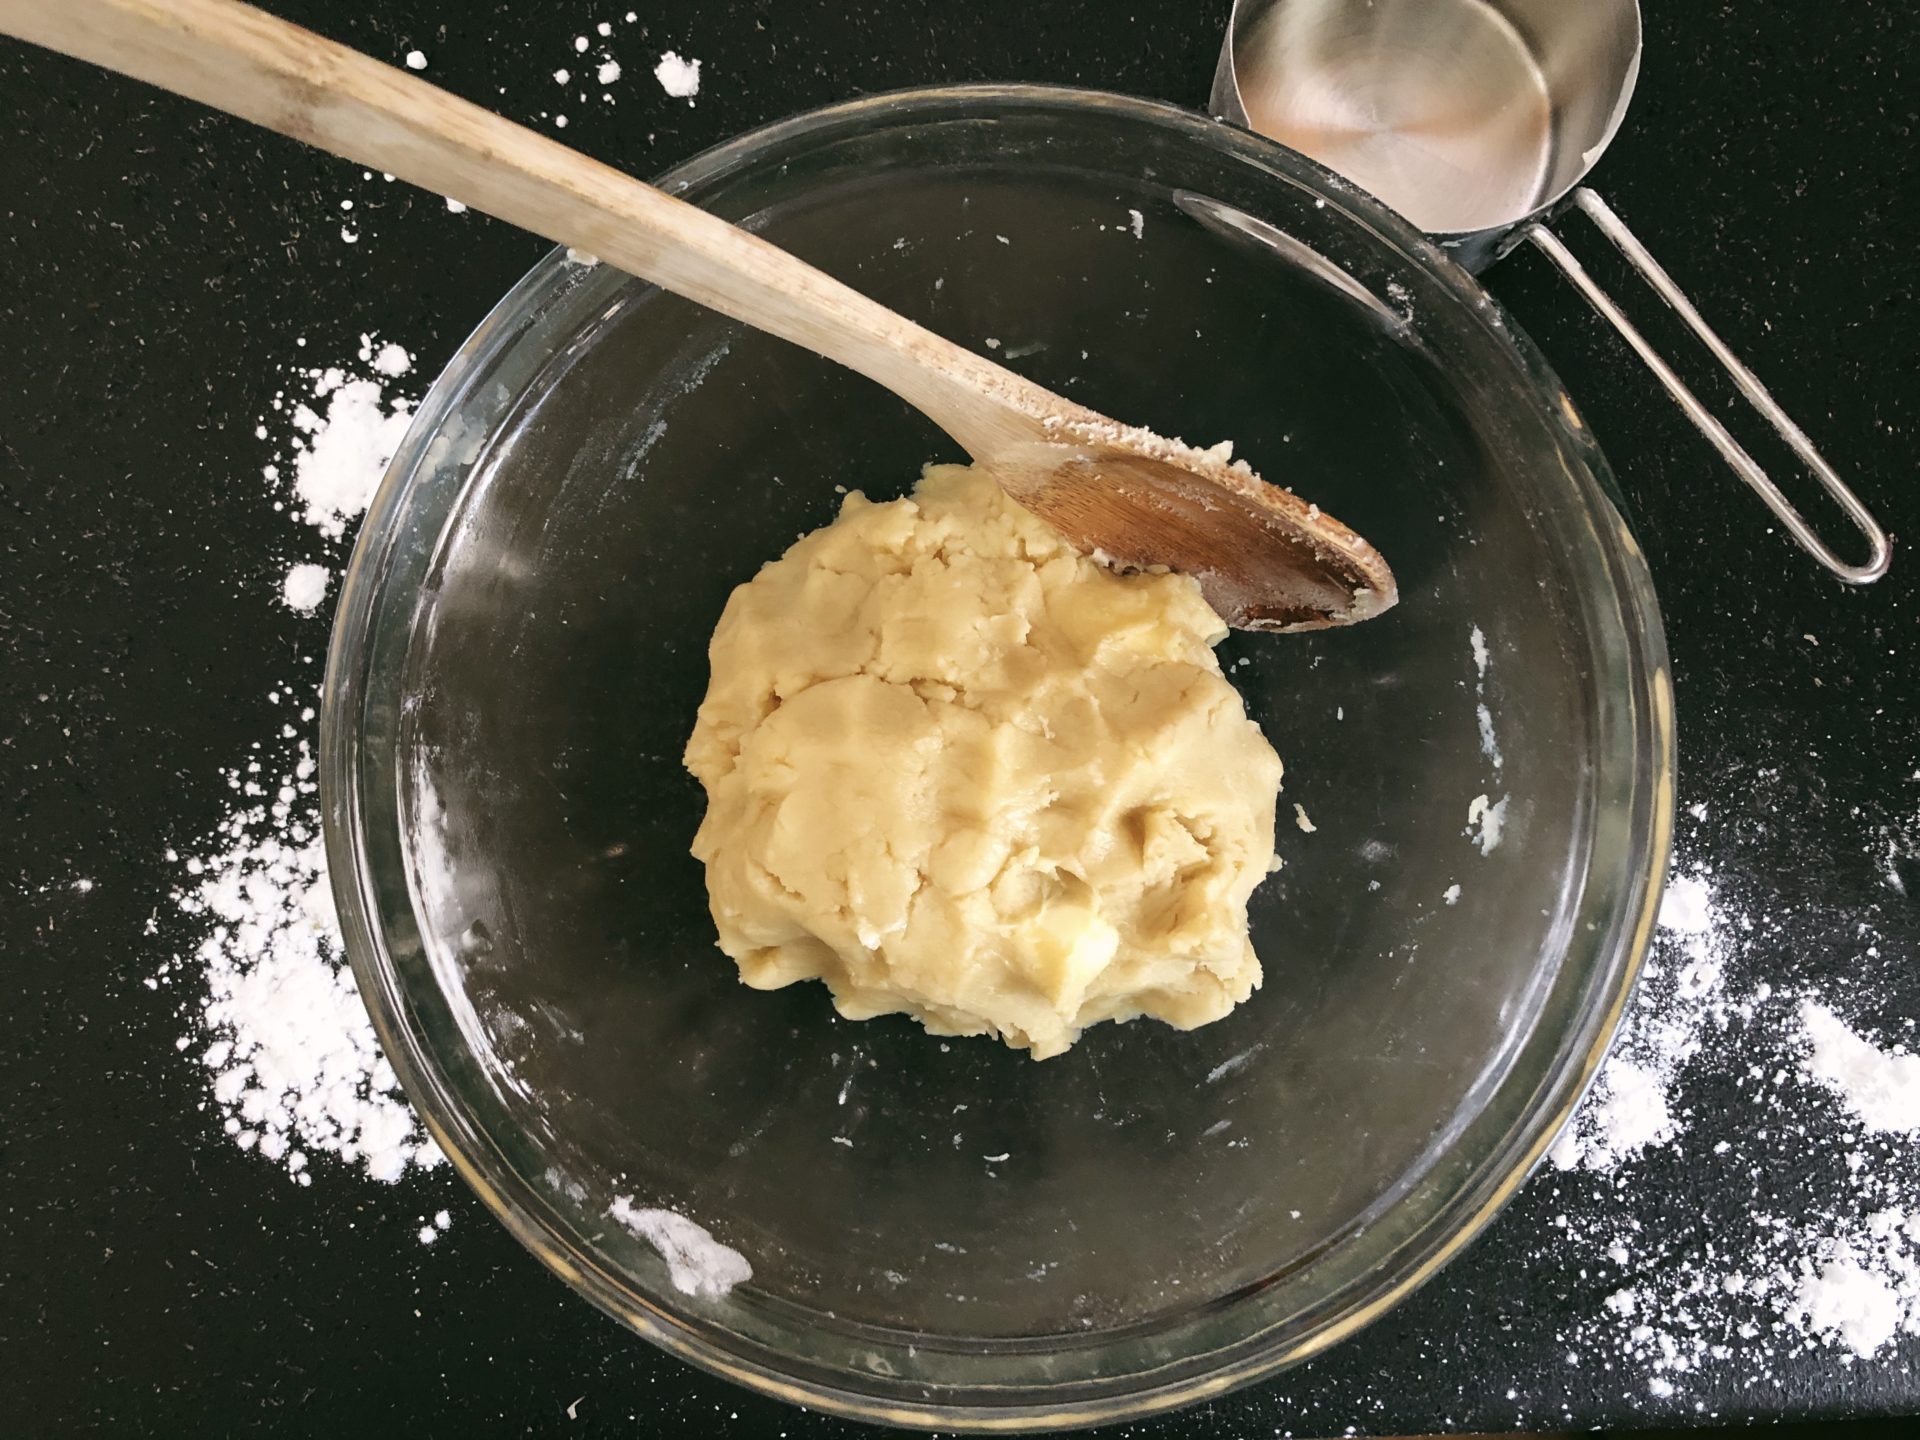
944 1232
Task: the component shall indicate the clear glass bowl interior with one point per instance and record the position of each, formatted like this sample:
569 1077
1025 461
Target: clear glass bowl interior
945 1232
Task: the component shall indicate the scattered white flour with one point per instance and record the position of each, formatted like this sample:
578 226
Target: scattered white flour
562 77
608 72
1844 1298
391 360
1452 895
1486 822
1687 907
277 1020
1628 1113
1137 223
272 1011
1882 1089
1682 997
455 206
1801 1155
346 430
416 60
679 78
305 587
697 1263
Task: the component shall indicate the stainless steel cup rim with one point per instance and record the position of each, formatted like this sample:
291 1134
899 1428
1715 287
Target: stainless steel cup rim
1374 91
1575 151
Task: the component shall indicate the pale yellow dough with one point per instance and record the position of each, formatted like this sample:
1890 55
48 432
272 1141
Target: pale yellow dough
956 769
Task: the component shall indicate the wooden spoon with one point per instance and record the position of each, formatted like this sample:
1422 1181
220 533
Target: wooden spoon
1265 559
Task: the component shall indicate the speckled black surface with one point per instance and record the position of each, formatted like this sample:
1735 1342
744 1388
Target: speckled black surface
156 264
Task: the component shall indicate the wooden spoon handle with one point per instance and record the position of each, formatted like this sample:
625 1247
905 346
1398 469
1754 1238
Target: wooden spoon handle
238 59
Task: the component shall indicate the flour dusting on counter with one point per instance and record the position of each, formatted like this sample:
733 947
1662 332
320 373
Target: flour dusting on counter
1681 1002
305 587
1882 1089
345 430
679 78
1828 1110
279 1025
271 1009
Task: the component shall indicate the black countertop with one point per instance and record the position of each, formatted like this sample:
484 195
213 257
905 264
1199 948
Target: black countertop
156 265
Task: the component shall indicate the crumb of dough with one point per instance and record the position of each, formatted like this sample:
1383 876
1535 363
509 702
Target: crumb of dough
958 771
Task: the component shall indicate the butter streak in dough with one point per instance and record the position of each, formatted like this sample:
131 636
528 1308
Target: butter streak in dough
956 769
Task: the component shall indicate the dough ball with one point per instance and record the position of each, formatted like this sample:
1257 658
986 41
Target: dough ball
956 770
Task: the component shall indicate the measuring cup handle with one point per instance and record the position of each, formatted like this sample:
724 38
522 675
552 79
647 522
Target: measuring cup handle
1879 548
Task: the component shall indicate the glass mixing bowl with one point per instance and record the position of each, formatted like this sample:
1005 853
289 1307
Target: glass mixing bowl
945 1232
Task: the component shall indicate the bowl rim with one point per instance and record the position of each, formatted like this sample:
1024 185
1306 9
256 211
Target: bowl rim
1461 1220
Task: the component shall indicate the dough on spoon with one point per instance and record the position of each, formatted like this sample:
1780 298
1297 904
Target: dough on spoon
957 770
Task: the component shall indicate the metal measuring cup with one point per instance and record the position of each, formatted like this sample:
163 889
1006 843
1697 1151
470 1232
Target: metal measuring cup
1477 120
